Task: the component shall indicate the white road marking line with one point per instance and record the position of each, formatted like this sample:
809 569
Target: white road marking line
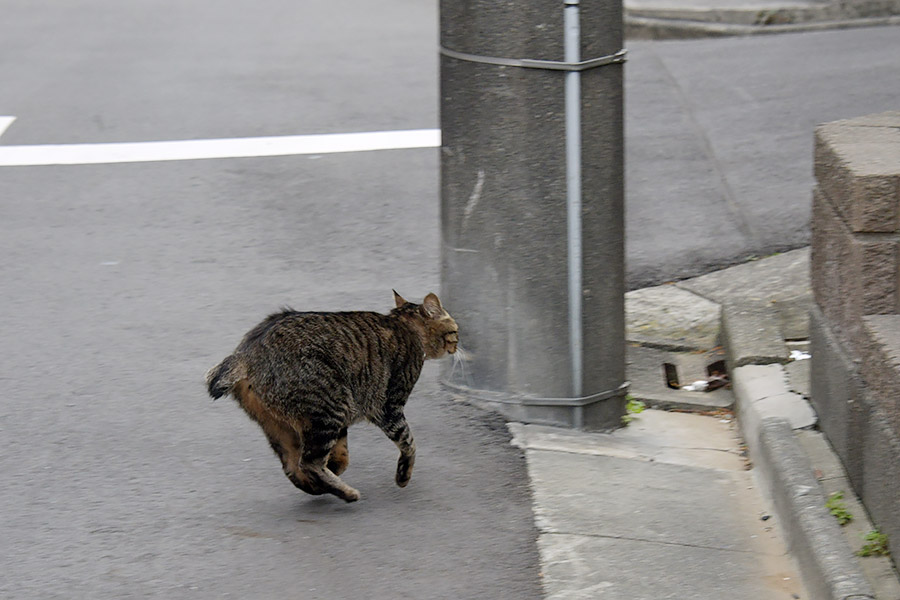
5 122
105 153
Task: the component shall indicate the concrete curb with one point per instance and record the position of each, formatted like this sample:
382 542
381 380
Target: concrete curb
637 27
768 413
828 567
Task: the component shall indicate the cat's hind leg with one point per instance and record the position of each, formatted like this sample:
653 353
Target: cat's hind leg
339 459
318 443
283 437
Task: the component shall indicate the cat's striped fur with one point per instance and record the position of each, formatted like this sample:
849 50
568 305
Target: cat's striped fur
305 377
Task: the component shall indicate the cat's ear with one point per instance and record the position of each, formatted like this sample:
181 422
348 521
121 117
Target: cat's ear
431 306
398 299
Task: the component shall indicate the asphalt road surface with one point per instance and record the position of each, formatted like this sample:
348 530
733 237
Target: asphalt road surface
719 140
121 284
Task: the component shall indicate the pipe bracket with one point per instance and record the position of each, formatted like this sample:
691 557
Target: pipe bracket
529 63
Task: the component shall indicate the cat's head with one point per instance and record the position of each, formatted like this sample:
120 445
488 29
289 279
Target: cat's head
440 333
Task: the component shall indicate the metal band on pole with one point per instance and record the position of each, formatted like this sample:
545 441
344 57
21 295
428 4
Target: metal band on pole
530 63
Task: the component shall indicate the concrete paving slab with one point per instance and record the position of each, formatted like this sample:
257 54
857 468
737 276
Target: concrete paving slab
678 430
779 280
578 567
751 331
653 436
559 439
663 503
667 316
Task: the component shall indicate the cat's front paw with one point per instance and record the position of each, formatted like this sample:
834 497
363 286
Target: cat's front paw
404 470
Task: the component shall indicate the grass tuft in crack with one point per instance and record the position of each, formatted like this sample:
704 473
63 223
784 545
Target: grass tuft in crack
837 508
633 407
876 544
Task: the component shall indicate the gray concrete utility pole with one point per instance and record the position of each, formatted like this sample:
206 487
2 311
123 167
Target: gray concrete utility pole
532 211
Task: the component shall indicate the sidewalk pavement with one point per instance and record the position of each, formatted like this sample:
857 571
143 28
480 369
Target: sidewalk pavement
728 502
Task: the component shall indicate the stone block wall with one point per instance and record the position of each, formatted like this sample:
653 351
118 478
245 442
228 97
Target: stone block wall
855 320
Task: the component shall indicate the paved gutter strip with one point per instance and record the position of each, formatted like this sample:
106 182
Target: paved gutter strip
829 568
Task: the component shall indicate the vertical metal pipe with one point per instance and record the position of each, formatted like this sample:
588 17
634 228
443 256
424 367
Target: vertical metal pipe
572 54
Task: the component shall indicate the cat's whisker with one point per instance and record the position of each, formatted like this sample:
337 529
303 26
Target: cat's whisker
457 359
460 358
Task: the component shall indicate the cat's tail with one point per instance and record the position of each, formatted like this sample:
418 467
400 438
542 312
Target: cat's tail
221 378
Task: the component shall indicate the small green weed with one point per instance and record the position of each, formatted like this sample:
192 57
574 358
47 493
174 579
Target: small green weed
633 407
876 544
837 508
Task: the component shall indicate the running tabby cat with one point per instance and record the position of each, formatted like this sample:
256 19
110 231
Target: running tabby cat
305 377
